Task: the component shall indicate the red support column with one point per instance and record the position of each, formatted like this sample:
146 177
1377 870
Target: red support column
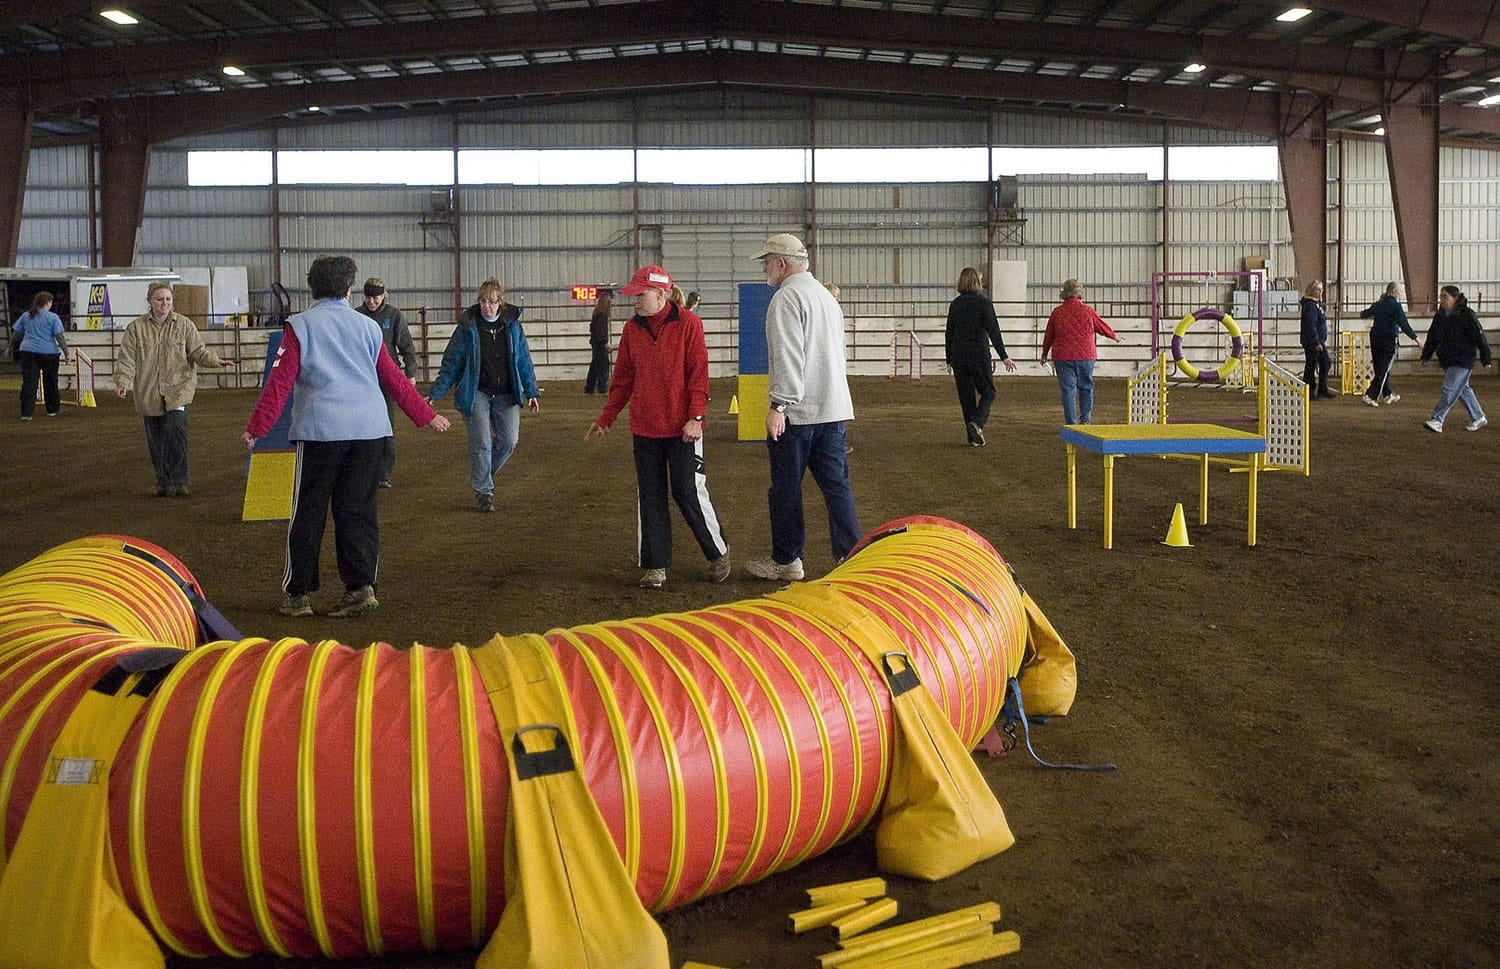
124 160
1411 153
1303 147
15 153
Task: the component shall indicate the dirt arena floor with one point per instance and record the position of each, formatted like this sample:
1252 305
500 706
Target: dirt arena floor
1307 731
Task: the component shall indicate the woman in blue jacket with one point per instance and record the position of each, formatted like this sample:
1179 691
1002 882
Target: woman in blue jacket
1315 341
38 337
488 365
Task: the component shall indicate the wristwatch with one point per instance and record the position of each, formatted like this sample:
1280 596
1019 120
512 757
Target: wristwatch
778 407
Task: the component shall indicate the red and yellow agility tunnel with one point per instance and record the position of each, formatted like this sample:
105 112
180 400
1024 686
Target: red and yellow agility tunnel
317 799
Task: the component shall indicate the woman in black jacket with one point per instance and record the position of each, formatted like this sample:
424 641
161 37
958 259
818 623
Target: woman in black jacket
972 329
1456 337
1315 341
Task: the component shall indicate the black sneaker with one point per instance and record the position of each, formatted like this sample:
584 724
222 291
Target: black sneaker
976 434
356 603
484 503
385 482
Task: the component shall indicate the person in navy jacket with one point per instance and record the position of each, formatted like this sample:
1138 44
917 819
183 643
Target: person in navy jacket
1315 341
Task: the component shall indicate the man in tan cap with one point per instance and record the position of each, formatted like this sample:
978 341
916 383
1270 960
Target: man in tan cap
810 404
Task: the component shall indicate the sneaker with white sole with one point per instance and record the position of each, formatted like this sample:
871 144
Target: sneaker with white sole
1390 399
355 603
296 606
1371 401
719 568
769 568
653 578
1476 425
1434 425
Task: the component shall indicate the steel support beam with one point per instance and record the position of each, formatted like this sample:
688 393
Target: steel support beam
1303 147
1250 111
125 158
1411 153
1467 21
15 154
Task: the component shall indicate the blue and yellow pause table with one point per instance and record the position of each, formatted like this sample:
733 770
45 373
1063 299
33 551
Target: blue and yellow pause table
1180 440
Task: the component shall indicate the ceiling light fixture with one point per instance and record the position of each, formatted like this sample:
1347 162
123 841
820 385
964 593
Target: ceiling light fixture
1195 68
1379 131
233 71
313 107
1292 14
1485 102
118 17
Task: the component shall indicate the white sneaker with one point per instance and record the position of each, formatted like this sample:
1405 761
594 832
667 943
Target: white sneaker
1371 401
1390 399
653 578
769 568
1434 425
1476 425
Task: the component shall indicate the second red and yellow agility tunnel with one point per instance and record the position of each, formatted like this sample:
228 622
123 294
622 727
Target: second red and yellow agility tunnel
310 799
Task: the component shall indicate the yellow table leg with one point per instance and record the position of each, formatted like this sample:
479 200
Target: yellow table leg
1109 501
1255 460
1072 486
1203 491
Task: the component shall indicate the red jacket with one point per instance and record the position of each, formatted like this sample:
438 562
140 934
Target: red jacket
661 371
1071 329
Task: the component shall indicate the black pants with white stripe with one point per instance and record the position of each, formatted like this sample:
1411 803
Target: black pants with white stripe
343 475
670 462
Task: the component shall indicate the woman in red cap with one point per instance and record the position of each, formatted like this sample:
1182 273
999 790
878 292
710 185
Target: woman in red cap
661 371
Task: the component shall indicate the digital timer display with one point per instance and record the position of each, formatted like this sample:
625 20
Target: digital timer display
586 294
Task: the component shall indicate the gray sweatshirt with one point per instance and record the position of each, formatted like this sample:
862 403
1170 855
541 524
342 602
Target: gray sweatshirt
805 345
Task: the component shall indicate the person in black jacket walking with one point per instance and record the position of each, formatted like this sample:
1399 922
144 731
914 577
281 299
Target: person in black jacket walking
1389 323
598 375
1315 341
972 329
1456 337
397 339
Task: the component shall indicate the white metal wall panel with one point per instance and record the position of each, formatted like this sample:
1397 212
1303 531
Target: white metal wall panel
394 131
60 167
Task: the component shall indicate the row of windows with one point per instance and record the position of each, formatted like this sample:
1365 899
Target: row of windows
718 166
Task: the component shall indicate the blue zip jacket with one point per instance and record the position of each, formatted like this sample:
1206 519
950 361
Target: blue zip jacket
1390 319
460 366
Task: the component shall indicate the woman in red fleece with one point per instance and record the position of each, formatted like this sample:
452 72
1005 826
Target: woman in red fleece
661 371
1070 341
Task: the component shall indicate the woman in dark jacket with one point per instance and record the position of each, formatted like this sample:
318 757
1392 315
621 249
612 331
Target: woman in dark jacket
972 329
1315 341
1456 337
598 376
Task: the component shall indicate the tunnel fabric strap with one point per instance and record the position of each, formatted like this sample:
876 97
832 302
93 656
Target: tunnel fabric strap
939 815
60 897
1049 675
569 902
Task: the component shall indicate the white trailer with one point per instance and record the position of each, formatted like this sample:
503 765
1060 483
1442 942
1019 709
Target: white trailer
86 299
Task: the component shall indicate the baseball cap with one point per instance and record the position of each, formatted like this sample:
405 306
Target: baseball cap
647 277
374 286
783 244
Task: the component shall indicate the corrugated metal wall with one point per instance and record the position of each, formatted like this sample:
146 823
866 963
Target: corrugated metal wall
895 249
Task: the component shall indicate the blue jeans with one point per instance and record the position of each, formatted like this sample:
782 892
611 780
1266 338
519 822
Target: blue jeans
1076 378
494 426
1456 388
818 448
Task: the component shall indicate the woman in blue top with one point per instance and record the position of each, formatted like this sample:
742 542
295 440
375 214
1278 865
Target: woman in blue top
39 336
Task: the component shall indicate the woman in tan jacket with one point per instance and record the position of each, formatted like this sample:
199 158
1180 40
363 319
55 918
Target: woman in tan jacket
159 360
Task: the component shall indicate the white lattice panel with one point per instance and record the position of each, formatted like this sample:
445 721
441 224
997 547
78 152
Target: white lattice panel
1284 418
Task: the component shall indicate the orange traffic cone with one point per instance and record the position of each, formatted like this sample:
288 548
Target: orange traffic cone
1177 535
